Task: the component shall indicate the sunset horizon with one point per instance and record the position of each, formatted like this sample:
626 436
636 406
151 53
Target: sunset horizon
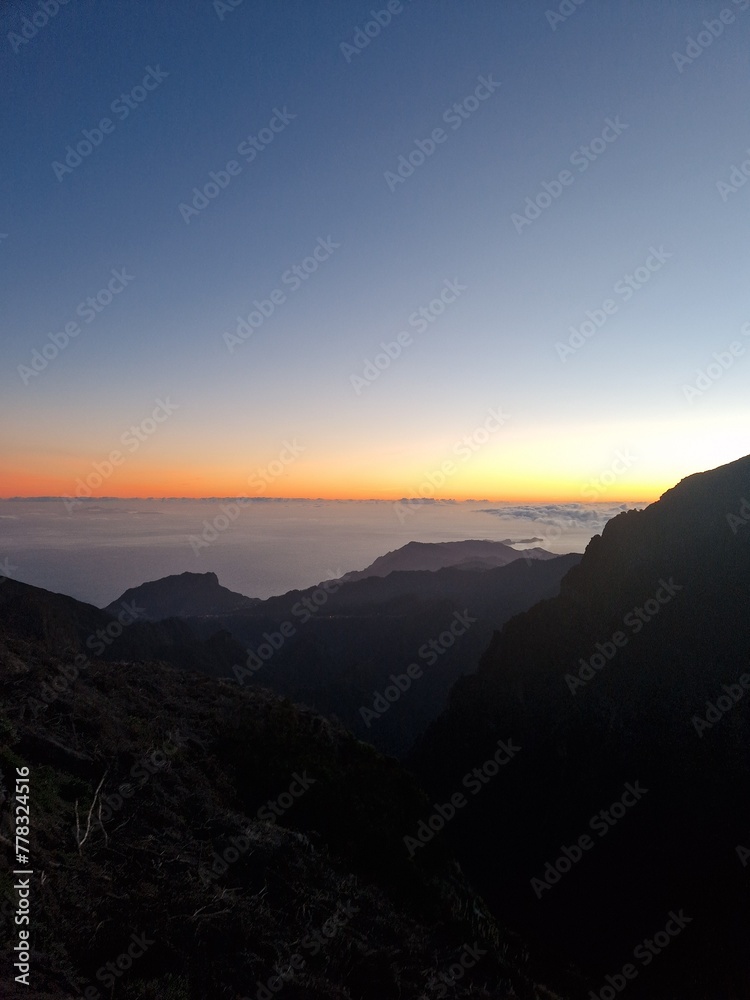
375 388
612 483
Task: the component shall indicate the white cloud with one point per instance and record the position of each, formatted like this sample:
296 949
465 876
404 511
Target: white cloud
562 515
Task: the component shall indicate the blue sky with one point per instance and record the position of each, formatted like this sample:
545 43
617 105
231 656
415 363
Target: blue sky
227 74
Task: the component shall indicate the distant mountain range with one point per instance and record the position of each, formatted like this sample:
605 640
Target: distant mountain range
338 646
469 554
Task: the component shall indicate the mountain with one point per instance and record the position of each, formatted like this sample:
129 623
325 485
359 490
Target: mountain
620 836
438 555
339 646
192 839
183 595
55 624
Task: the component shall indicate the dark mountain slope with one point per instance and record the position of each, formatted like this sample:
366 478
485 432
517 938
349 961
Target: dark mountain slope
57 624
606 685
336 647
233 837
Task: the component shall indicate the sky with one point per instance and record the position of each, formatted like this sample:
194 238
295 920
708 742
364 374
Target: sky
451 249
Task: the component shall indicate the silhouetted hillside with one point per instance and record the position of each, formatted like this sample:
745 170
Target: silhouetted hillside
339 646
632 688
57 624
194 840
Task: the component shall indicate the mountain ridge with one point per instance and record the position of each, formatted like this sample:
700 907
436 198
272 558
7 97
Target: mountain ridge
603 685
415 555
182 595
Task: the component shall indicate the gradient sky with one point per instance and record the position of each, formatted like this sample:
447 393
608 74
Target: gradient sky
323 177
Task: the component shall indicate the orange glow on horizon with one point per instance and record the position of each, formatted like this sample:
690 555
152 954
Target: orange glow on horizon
535 466
199 486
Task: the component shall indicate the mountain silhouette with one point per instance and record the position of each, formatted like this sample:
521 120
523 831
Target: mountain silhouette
55 624
182 595
473 553
214 838
338 647
635 676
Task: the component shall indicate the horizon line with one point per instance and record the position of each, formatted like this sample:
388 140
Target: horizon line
262 499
